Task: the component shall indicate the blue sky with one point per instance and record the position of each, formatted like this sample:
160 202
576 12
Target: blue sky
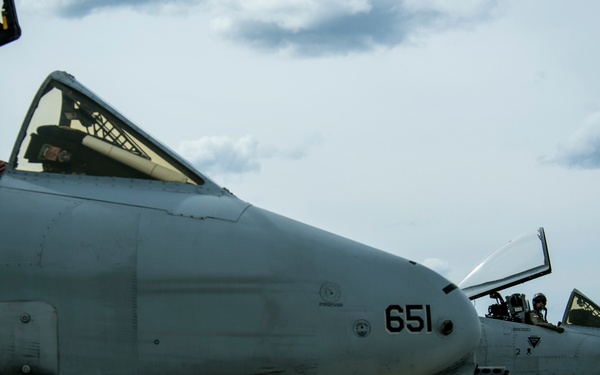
433 131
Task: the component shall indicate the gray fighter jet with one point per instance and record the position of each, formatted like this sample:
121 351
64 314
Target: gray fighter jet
119 257
510 342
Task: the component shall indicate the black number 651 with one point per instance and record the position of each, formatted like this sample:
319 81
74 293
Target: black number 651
414 318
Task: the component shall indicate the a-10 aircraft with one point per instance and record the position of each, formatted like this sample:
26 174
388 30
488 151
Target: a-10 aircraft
510 343
118 257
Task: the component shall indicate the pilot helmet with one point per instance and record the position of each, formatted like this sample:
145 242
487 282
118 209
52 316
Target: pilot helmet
539 297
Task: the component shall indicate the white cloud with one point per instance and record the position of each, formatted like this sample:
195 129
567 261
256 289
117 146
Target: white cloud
224 155
305 27
82 8
458 9
582 148
289 15
309 27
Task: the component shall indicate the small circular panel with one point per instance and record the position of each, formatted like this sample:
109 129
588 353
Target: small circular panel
330 292
362 328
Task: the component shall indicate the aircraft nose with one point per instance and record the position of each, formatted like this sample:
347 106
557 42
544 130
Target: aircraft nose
429 325
441 326
455 324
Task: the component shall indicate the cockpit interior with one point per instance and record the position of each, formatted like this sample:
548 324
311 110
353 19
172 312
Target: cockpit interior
70 131
517 262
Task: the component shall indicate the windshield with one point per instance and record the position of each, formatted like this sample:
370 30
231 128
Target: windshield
519 260
70 133
581 311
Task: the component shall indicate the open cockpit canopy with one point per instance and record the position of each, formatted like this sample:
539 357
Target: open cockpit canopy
520 260
69 130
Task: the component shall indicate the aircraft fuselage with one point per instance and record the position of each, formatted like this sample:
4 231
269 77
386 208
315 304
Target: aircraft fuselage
528 349
125 276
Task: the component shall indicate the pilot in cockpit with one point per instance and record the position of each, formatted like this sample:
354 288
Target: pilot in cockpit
2 167
537 315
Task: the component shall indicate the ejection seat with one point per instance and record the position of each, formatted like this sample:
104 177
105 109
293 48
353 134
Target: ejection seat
519 308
